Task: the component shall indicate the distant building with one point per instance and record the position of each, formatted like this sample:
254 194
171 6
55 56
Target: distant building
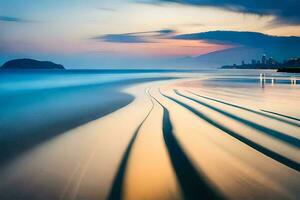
264 59
271 61
266 63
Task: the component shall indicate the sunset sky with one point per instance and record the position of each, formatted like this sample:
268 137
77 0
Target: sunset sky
100 32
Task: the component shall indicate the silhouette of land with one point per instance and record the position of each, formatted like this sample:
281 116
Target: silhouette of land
289 69
291 65
25 63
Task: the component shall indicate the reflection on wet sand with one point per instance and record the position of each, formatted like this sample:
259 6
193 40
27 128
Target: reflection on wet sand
76 165
228 163
31 116
178 139
150 174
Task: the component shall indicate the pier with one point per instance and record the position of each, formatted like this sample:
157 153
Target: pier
264 79
273 80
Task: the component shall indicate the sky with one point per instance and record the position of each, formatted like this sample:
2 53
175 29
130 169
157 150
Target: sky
117 33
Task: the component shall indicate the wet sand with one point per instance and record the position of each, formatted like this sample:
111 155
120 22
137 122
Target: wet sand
33 116
176 139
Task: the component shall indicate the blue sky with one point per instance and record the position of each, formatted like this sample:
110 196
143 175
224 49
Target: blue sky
113 32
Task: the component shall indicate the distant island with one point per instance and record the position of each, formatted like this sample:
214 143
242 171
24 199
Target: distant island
291 65
24 64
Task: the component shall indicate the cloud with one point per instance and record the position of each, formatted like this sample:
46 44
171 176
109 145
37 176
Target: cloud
13 19
245 38
136 37
165 32
106 9
156 33
121 38
278 46
285 11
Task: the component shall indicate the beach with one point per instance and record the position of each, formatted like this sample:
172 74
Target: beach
149 135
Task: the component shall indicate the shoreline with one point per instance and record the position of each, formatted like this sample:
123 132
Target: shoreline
50 112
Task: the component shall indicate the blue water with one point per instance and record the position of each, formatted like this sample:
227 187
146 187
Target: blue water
37 105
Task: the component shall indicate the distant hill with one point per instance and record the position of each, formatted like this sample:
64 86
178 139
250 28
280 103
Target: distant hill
224 57
23 64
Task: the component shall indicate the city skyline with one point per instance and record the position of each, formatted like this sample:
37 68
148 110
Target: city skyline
266 62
